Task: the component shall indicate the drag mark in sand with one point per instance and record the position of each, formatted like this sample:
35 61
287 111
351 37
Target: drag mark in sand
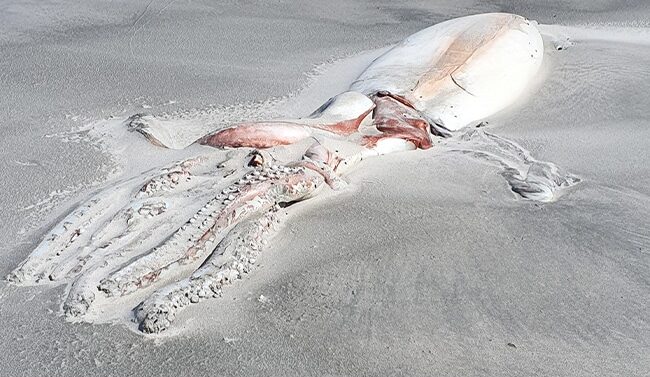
137 25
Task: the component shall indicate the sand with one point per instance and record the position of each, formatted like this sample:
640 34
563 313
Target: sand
428 265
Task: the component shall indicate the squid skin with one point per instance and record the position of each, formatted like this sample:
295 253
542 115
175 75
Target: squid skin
460 71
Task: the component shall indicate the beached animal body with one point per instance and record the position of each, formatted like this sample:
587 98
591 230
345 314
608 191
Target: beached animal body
437 81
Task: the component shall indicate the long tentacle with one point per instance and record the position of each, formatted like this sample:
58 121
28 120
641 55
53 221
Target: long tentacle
234 256
253 194
73 237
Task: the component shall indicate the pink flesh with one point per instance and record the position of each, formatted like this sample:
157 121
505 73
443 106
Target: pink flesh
395 118
272 133
257 135
345 127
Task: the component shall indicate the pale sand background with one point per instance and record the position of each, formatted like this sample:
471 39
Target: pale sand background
432 279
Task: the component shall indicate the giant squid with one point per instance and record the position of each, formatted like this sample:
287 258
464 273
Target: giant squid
434 83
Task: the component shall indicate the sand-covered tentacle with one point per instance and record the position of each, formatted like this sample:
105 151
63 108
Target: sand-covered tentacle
527 177
68 237
156 204
73 240
233 257
143 229
253 194
149 220
115 232
133 234
35 267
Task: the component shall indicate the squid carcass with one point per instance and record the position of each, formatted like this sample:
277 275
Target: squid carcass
128 237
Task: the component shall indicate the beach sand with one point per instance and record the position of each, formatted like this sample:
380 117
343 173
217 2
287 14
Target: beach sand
427 265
